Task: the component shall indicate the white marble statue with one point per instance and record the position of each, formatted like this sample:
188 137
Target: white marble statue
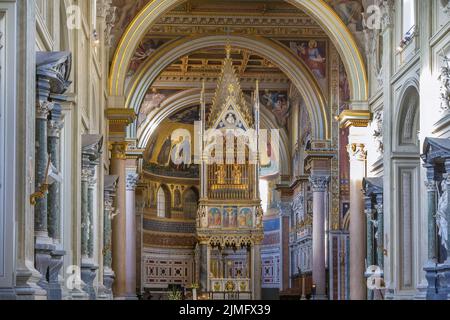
441 214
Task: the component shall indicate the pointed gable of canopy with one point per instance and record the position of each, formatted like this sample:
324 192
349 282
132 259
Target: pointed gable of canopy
229 98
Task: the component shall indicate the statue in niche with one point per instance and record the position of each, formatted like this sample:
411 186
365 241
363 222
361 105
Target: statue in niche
259 217
202 217
220 175
441 214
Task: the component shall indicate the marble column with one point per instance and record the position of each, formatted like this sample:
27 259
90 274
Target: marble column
369 241
319 187
54 291
132 179
55 125
117 168
110 183
54 195
357 222
43 244
85 176
256 271
91 152
380 231
88 269
431 185
52 75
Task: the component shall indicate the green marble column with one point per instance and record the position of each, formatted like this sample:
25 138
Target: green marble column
370 237
91 187
380 232
85 176
369 241
432 238
42 112
54 192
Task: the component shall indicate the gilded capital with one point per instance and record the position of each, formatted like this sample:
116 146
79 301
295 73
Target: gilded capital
118 150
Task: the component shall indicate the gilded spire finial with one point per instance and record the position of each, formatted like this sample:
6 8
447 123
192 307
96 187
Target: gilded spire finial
228 49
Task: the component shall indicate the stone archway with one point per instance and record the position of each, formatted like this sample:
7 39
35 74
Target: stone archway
299 74
318 9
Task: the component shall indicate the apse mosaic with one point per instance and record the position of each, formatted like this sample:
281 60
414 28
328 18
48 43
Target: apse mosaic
170 152
187 116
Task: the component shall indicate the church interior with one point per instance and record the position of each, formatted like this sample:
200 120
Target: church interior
224 150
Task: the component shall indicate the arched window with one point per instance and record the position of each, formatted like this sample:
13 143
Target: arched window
161 203
190 204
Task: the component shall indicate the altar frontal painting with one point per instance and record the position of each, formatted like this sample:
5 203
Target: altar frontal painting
230 217
245 219
214 217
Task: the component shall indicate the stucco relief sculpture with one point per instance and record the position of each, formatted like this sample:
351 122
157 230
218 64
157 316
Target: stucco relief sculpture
444 78
378 131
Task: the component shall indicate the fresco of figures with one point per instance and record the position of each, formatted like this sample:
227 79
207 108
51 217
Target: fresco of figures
214 218
278 103
230 217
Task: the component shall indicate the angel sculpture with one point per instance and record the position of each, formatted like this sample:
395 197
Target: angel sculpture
441 214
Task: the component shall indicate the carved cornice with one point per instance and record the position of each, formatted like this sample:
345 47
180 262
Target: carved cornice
92 145
54 67
180 24
119 119
354 118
